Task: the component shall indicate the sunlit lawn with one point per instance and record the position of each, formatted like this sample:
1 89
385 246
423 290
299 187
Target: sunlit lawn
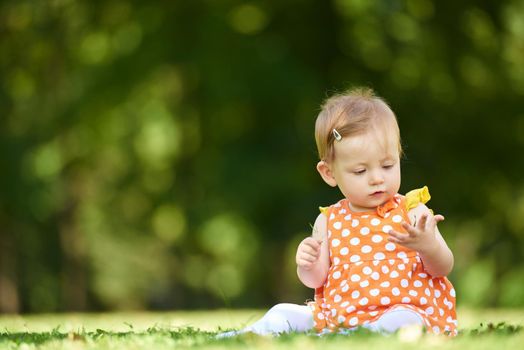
197 329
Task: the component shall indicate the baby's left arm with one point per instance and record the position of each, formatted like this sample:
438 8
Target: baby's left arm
424 237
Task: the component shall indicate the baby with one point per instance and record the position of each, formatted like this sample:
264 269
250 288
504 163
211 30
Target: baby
376 259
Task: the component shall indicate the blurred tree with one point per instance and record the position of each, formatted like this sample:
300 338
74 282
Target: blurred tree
161 154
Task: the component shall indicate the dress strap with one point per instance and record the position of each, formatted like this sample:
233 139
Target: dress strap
417 196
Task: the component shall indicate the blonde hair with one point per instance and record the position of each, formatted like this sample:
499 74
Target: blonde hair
351 113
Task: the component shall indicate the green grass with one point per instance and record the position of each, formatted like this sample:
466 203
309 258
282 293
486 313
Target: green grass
479 329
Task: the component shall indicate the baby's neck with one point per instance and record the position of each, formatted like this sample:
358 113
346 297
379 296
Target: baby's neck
361 209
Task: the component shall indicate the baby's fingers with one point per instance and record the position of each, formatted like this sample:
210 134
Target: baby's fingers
439 218
421 224
397 236
411 230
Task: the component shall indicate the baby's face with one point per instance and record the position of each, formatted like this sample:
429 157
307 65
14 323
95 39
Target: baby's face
367 169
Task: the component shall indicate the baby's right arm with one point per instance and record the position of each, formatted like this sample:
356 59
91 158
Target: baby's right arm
313 255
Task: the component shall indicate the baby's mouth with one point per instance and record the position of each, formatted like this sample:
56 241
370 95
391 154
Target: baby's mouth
378 193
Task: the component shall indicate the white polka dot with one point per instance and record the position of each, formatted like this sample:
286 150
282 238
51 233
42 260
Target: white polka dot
375 276
406 300
337 225
347 217
354 258
374 292
397 218
404 283
364 284
364 230
363 301
355 294
390 246
355 223
387 228
366 249
367 270
401 267
385 300
336 275
413 293
345 232
375 222
333 312
335 242
394 274
427 291
423 301
373 313
422 275
344 251
344 304
355 278
345 288
417 284
332 216
350 309
441 311
353 321
341 319
337 298
401 255
354 241
395 291
379 256
436 330
430 310
437 293
336 260
385 284
385 269
377 238
452 292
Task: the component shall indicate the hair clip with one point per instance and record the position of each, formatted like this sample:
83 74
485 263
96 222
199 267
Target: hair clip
337 136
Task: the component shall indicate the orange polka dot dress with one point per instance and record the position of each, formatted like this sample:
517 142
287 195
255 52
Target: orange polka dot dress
369 276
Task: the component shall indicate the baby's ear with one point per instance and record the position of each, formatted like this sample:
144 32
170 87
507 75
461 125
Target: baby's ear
324 170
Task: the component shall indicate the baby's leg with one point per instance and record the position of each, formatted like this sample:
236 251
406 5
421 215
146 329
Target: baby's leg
281 318
395 319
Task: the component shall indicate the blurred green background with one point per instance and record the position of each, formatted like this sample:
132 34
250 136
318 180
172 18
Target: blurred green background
160 154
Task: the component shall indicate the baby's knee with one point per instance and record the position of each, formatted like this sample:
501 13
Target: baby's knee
278 311
282 307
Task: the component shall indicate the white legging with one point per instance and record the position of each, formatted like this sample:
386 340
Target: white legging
284 318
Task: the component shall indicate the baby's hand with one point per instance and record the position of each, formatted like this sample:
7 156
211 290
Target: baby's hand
420 236
308 252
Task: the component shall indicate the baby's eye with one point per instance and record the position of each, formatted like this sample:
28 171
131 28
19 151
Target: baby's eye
359 171
388 166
